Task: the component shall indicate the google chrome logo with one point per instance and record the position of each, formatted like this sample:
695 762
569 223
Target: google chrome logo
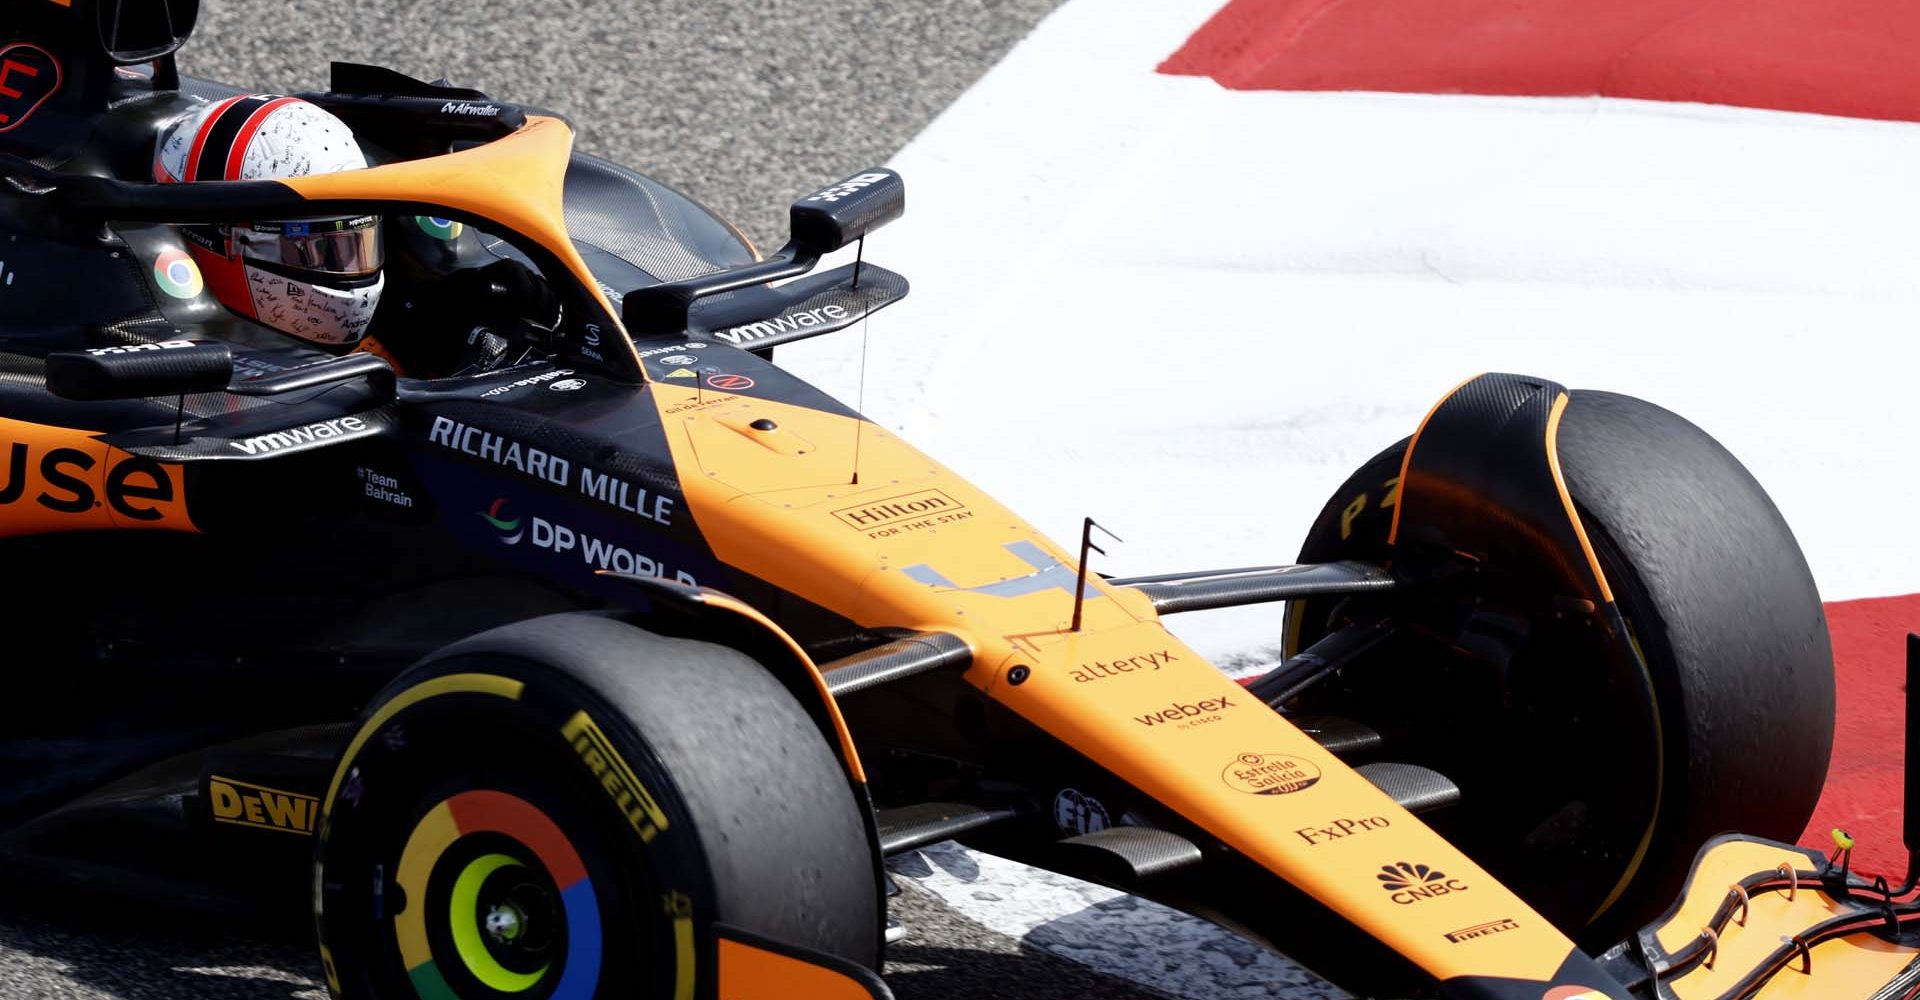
177 275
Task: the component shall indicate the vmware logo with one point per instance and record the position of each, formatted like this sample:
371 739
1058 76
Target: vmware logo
509 528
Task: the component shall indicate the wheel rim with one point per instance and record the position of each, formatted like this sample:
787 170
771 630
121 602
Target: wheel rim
519 913
485 919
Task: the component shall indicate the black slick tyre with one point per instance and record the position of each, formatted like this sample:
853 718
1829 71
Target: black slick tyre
1732 638
561 809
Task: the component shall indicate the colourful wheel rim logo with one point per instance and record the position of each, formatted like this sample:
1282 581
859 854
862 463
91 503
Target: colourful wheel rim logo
474 812
177 275
463 916
438 228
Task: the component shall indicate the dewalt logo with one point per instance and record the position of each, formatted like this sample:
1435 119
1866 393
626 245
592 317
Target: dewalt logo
628 794
244 804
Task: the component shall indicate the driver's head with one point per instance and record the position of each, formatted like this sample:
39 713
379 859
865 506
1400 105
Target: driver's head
317 279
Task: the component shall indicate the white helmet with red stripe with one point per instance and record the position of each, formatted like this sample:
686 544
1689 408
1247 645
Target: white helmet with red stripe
317 279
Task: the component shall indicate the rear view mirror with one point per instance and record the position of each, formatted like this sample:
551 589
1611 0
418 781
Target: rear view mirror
830 219
137 31
822 222
139 371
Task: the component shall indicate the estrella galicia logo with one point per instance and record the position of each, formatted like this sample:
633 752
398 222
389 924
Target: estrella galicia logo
509 528
1411 883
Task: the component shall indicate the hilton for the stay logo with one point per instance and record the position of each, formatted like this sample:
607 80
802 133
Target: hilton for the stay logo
902 514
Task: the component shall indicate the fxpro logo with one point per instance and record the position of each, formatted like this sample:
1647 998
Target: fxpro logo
1341 828
245 804
299 437
1411 883
753 332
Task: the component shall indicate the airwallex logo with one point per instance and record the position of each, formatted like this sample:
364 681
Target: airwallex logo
1411 883
596 553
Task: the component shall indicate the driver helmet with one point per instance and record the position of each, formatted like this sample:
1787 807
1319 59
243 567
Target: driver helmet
318 279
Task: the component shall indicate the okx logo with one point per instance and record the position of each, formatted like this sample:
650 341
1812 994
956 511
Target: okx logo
1412 883
508 527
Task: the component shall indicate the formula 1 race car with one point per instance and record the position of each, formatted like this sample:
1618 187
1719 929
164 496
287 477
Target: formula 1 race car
619 671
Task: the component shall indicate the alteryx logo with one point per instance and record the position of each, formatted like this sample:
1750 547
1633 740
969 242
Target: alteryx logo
509 528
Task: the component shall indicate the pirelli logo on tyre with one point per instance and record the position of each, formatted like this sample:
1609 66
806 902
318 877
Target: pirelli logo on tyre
629 795
244 804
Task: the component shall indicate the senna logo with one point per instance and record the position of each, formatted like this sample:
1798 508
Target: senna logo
628 794
244 804
1412 883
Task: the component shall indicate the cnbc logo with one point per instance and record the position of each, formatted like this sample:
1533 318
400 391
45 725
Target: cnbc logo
508 527
1412 883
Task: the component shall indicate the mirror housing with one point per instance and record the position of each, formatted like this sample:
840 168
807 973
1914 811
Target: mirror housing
137 31
829 219
140 371
822 222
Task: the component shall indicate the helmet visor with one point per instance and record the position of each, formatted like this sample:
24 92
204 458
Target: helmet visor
344 247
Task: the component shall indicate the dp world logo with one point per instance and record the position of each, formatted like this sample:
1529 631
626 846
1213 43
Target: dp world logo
509 528
1412 883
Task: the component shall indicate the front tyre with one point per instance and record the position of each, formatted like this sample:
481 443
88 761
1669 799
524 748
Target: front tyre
1578 794
561 809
